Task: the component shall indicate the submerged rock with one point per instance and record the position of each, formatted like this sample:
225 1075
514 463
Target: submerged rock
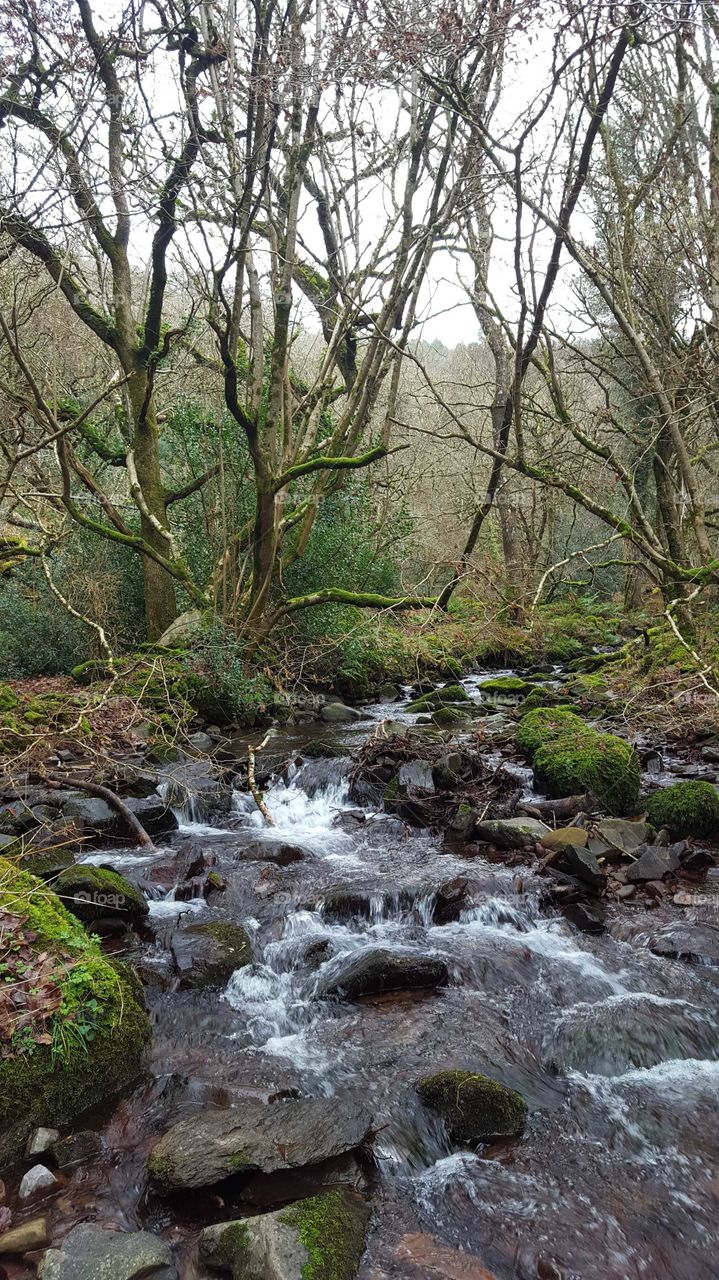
372 972
474 1107
94 1253
203 1149
207 954
323 1236
511 833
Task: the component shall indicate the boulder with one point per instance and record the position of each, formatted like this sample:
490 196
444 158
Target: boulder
207 955
474 1107
96 894
31 1235
271 850
203 1149
588 917
321 1236
201 742
576 836
696 943
687 808
98 820
511 833
36 1183
447 769
451 899
653 863
376 970
619 834
94 1253
338 713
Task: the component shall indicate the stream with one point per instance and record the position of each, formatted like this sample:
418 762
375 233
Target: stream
615 1049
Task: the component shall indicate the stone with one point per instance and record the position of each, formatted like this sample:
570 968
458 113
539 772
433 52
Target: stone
462 822
203 1149
511 833
424 1257
447 769
320 1236
96 894
271 850
653 863
474 1107
201 741
376 970
389 692
588 917
415 775
696 943
40 1140
338 713
566 835
98 820
583 864
77 1148
626 891
36 1183
207 955
451 899
620 834
94 1253
31 1235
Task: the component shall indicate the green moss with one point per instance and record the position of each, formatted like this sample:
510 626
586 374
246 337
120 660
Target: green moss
332 1231
439 698
231 937
448 717
600 763
506 684
561 648
687 808
8 699
543 725
98 1032
474 1107
86 887
544 698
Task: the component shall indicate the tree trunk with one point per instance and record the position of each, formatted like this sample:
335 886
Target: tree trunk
159 585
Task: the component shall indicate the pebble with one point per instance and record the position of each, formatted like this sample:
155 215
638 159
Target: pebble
38 1181
31 1235
39 1141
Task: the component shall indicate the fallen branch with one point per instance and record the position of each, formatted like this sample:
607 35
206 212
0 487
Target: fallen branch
132 823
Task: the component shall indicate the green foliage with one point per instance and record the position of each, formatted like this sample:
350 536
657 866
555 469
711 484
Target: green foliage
687 808
333 1233
224 685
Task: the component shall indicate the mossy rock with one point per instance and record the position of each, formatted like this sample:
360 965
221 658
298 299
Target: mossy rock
439 698
98 1030
591 688
563 648
474 1107
506 684
207 955
449 717
8 699
543 725
95 893
687 808
599 763
544 698
320 1238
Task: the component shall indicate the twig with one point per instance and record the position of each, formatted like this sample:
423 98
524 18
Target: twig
252 782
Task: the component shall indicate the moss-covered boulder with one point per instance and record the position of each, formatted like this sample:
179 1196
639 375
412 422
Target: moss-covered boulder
446 696
207 955
97 894
543 698
687 809
570 757
474 1107
506 685
81 1035
321 1238
543 725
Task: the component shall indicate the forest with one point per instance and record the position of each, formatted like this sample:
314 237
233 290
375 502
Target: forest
359 639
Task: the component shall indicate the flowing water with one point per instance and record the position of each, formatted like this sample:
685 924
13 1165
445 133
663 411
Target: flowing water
616 1050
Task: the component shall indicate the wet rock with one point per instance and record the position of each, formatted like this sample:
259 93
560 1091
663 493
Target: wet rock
415 775
344 904
372 972
451 899
94 1253
314 953
96 894
697 943
390 693
37 1182
270 1247
77 1148
156 817
99 821
463 821
653 863
581 863
208 954
201 742
338 713
31 1235
588 917
626 891
40 1140
609 1038
269 850
474 1107
423 1257
697 860
576 836
203 1149
511 833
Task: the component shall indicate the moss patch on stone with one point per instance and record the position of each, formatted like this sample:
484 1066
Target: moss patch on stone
474 1107
449 694
97 1034
332 1230
570 757
88 889
506 684
543 725
687 808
